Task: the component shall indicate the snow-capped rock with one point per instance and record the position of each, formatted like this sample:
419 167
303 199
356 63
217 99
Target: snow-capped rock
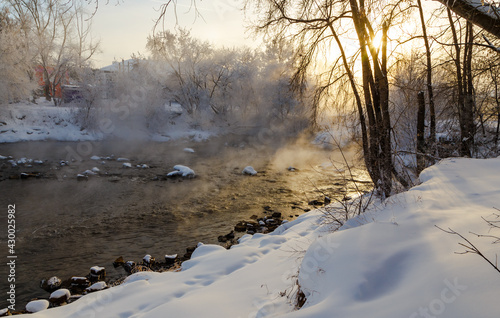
60 296
37 305
183 171
96 287
249 170
148 259
127 165
190 150
88 173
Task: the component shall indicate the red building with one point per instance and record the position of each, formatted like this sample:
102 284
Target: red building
39 74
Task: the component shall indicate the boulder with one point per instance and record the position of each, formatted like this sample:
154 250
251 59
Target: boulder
181 171
37 305
79 282
129 266
170 259
119 262
51 284
148 260
97 273
81 177
315 203
97 286
241 226
249 170
60 296
276 215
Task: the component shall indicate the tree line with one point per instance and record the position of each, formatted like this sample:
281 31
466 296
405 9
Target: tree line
417 91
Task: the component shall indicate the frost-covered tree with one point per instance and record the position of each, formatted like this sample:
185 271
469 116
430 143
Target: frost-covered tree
15 81
57 34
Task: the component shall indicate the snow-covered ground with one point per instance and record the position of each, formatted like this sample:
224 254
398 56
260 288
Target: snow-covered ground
390 262
27 121
42 121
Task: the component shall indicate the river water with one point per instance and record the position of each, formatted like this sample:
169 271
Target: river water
65 226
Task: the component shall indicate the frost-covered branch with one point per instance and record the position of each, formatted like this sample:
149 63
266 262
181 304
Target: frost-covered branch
485 14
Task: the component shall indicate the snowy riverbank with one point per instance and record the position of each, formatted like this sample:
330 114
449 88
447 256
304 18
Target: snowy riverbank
26 121
390 262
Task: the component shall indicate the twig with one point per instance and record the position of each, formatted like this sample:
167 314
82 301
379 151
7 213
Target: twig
469 247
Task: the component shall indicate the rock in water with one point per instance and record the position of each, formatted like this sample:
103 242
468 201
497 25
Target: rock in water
276 215
60 296
249 171
119 262
148 260
240 226
129 266
97 286
97 273
79 282
183 171
51 284
37 305
81 177
170 259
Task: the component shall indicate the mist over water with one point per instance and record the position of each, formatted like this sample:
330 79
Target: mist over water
66 226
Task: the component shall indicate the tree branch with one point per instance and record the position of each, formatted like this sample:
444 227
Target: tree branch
484 15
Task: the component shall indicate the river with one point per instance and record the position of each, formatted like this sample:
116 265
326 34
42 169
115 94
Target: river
65 226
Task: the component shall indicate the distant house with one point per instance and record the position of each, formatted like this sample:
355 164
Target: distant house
39 75
123 66
108 74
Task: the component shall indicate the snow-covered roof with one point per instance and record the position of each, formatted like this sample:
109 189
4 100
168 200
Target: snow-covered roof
123 66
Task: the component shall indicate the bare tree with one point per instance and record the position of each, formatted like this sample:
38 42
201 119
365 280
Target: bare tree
430 91
462 60
16 77
312 24
58 35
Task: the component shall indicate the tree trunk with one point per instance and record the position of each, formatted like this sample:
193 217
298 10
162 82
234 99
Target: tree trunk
376 100
421 132
430 91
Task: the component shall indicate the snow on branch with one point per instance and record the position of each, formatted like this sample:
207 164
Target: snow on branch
484 13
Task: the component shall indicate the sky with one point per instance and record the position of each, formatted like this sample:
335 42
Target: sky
123 28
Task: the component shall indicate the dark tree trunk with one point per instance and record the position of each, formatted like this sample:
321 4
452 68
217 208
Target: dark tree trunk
430 91
376 100
421 132
465 100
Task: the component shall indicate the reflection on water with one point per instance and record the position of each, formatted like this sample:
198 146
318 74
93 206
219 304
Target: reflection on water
66 226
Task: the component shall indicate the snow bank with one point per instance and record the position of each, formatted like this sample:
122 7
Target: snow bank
390 262
42 121
26 121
